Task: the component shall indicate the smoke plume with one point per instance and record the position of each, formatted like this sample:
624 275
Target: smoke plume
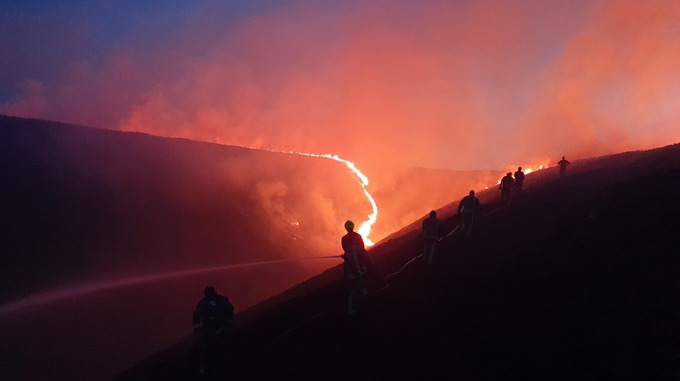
389 85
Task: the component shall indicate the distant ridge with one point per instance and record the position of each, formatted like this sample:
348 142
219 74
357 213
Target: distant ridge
108 202
84 207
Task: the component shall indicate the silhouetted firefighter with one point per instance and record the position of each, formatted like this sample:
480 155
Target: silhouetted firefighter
470 206
354 267
563 166
431 232
211 320
507 183
519 180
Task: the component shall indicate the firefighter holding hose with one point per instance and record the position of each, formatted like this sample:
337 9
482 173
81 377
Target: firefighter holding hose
211 320
353 267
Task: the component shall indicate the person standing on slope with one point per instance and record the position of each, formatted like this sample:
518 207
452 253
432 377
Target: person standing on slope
431 232
211 319
519 180
470 206
507 183
563 167
353 268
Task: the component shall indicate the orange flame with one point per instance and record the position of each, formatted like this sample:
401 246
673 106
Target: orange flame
534 168
527 169
365 228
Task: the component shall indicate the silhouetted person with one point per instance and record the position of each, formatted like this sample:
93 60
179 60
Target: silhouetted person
431 232
353 267
519 180
470 206
563 166
211 320
507 183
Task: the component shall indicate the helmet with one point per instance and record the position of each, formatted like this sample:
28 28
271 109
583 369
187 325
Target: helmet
349 225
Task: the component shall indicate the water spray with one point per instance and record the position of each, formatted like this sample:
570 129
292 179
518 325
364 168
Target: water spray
36 300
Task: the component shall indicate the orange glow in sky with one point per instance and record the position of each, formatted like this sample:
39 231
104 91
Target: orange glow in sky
454 85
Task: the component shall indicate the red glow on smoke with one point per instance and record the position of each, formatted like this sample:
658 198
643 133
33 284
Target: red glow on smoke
462 86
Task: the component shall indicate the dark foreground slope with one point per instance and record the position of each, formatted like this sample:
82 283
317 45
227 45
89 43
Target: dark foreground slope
576 280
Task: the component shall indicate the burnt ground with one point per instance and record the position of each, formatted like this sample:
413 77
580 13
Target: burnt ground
575 280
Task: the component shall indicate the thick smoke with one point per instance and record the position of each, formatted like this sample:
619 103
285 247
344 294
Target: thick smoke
459 85
454 85
614 86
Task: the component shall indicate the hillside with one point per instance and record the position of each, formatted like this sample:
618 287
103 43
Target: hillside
83 204
102 229
106 237
575 280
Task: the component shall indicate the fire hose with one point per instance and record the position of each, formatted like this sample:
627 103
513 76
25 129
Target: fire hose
387 276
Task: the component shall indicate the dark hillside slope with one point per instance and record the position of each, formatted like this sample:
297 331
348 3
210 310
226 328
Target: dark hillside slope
575 280
106 238
82 204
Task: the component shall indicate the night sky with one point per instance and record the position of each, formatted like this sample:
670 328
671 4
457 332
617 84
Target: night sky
446 84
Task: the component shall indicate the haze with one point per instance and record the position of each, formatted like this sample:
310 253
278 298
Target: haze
455 84
386 84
